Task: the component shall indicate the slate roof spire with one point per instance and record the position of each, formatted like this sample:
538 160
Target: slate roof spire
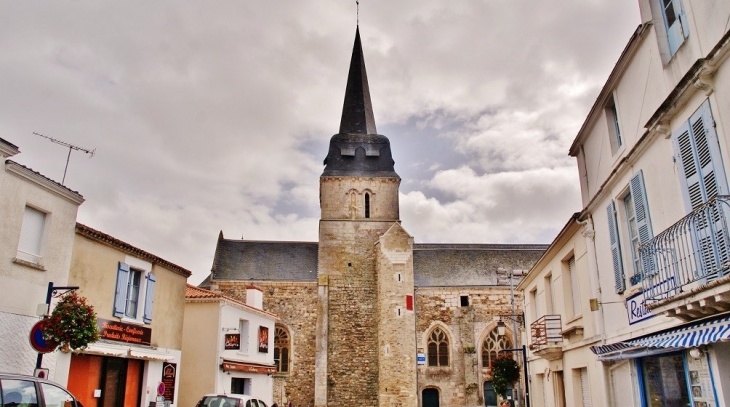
357 110
358 150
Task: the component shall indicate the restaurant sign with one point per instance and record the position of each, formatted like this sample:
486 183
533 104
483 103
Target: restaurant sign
123 332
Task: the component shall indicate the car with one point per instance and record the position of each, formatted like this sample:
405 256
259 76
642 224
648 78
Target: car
18 390
230 400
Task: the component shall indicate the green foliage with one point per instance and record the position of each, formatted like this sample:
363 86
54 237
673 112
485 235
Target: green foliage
72 324
505 371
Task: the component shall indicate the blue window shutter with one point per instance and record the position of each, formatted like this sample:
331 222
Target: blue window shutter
618 267
120 295
641 208
702 173
149 298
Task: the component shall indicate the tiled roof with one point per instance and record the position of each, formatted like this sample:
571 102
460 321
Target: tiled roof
128 248
434 265
193 292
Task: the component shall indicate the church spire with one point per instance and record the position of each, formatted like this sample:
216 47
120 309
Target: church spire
357 111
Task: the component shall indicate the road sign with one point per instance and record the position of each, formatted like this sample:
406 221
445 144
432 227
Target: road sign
37 341
161 389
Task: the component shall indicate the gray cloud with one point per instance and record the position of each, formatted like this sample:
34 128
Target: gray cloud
209 117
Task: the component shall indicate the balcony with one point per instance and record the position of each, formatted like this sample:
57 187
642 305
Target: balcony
546 339
686 268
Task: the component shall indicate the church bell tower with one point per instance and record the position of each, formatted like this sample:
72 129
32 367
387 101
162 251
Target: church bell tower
359 206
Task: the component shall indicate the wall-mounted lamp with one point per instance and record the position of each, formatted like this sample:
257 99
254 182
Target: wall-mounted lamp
695 353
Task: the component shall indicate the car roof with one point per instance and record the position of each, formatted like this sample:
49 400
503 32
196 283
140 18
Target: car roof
7 375
234 396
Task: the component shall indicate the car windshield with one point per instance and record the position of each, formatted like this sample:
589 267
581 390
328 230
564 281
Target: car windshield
218 401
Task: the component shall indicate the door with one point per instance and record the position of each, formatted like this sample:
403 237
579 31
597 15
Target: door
490 396
113 382
430 397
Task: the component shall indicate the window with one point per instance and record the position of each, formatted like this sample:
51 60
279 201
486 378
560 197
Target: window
614 131
30 246
533 303
491 346
636 211
244 329
665 380
282 347
698 154
132 283
549 305
19 393
574 287
55 396
367 205
240 385
438 348
585 389
464 300
674 23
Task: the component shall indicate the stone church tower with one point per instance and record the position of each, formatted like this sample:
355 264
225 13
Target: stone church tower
367 317
365 321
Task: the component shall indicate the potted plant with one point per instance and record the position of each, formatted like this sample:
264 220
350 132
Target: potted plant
72 324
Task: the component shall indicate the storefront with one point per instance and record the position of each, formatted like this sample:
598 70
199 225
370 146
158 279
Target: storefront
683 366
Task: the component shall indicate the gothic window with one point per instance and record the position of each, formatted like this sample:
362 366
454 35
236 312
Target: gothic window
367 205
491 346
438 348
282 349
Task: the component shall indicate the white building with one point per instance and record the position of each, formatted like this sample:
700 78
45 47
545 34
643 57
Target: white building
653 156
228 346
37 220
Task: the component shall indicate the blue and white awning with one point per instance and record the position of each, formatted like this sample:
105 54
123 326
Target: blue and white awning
688 336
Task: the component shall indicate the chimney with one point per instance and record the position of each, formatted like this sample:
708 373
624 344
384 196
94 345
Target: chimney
254 297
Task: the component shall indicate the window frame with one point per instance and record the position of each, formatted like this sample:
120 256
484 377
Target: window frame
675 33
282 345
613 125
438 337
146 291
495 343
39 239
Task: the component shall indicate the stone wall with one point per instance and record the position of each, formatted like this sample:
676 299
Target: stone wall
461 383
296 306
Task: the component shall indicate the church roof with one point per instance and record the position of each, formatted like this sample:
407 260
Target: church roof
357 150
434 265
265 261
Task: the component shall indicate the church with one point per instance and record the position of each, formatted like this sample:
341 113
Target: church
368 317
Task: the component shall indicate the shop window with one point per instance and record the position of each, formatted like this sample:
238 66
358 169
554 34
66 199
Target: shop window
665 383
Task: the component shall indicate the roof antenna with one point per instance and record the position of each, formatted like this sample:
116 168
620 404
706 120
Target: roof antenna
70 147
357 3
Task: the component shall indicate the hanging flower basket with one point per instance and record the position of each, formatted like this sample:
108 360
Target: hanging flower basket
505 371
72 324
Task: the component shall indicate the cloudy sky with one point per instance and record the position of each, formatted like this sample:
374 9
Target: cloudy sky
210 116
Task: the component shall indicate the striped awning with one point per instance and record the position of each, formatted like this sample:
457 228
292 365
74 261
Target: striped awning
687 336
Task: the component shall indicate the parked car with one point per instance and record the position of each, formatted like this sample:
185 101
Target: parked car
19 390
230 400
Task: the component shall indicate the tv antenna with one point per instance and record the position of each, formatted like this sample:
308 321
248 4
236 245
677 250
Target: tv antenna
70 148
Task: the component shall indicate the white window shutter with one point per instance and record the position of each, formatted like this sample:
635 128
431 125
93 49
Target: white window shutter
31 235
120 295
149 298
585 387
574 287
618 267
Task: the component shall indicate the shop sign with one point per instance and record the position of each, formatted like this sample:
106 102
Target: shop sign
263 339
123 332
636 308
169 374
249 368
232 341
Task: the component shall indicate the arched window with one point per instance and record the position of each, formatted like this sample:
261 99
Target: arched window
367 205
438 348
491 346
282 349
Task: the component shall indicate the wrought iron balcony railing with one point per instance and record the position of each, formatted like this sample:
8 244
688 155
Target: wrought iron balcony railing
545 331
693 252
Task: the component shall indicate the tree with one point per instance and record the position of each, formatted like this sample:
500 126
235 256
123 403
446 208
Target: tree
505 371
72 324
